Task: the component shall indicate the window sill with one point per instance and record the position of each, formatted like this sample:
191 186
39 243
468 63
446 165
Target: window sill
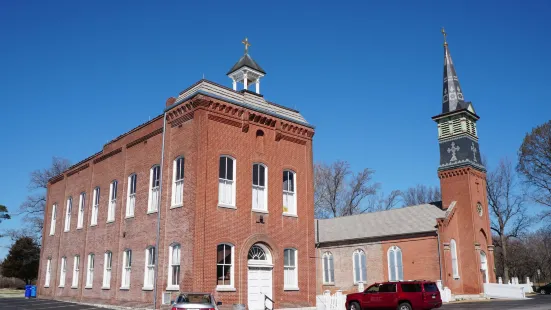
225 289
111 221
221 205
46 286
329 283
125 288
456 278
289 214
92 225
173 288
74 287
259 211
106 288
152 211
177 206
52 234
66 230
147 288
79 228
88 287
129 217
294 288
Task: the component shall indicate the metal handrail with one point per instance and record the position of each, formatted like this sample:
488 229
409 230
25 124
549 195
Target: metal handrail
268 298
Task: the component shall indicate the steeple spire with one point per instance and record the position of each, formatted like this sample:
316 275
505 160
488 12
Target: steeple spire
452 94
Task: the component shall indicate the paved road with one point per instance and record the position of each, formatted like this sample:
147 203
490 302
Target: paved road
536 302
40 304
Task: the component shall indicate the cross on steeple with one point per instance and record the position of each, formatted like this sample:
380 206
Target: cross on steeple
444 34
452 150
247 44
473 148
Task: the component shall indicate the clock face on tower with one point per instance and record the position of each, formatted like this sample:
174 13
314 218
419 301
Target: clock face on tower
479 209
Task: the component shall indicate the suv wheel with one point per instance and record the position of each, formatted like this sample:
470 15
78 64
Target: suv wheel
354 306
404 306
543 292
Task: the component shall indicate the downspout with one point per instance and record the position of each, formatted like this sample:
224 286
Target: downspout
439 255
159 216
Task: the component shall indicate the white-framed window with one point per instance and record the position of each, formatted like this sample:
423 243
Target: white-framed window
90 270
112 201
76 271
226 182
81 204
290 273
131 199
154 186
260 187
63 272
149 273
178 182
328 268
395 267
455 265
68 211
95 207
107 263
52 222
174 252
48 273
126 269
224 266
289 192
360 266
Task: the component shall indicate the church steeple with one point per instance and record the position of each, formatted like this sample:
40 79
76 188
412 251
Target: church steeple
246 70
457 131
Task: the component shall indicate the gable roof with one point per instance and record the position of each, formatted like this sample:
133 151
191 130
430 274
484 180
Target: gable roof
407 220
247 61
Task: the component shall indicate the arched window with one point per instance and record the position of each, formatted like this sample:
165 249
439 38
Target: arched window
112 201
455 265
126 268
107 263
289 193
224 265
63 271
52 222
131 199
360 266
149 273
260 141
290 261
174 252
395 267
484 266
328 268
90 271
68 212
260 188
226 182
95 207
154 188
76 271
81 204
48 272
178 182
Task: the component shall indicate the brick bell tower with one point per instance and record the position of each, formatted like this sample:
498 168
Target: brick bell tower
467 255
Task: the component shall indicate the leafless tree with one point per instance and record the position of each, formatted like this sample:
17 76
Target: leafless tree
382 202
506 203
535 163
33 207
421 194
339 191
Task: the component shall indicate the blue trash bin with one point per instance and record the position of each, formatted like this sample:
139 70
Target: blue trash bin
27 291
33 291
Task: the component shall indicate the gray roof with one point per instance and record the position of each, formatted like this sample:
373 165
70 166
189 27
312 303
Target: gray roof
408 220
247 61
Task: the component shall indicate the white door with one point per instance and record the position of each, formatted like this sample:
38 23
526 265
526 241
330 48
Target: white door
259 285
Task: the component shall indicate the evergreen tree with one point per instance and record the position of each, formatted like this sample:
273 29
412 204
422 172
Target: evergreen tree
22 260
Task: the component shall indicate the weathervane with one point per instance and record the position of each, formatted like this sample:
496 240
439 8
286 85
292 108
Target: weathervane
444 34
247 44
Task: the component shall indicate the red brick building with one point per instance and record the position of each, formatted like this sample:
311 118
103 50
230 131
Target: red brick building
449 240
213 195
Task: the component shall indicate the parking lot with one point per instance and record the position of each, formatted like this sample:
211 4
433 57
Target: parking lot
39 304
533 302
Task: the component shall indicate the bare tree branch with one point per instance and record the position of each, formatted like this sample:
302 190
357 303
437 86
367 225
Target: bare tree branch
421 194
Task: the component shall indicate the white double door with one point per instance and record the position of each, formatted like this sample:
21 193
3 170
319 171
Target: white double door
259 286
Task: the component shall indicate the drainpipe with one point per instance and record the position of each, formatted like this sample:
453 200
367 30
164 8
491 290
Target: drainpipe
159 216
439 256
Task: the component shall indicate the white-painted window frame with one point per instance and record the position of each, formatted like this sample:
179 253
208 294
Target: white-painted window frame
174 267
90 271
53 220
95 206
260 189
154 189
112 204
398 264
68 213
63 272
76 271
455 262
149 270
231 284
81 205
290 194
290 271
360 266
178 175
126 269
107 269
48 276
227 186
131 197
328 268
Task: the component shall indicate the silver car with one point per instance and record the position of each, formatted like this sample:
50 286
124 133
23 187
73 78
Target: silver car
195 301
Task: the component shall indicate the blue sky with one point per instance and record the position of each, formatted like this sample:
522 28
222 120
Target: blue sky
367 74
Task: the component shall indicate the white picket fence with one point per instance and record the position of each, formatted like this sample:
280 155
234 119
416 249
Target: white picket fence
331 302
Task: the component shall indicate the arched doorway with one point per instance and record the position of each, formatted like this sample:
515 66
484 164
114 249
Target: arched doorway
484 267
259 279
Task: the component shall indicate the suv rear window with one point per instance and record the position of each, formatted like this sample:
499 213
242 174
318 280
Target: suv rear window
411 288
194 298
431 287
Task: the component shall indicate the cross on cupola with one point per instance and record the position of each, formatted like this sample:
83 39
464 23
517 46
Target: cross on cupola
246 70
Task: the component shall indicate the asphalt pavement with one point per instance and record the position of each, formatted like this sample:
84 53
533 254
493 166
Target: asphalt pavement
533 302
41 304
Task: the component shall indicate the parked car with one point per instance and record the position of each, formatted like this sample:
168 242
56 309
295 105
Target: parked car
545 289
402 295
193 301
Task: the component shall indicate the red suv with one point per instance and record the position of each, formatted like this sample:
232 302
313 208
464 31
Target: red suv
403 295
